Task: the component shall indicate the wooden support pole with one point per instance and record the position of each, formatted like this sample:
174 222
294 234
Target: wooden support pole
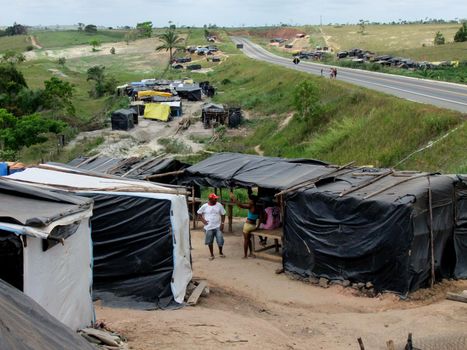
155 176
360 342
193 206
230 216
377 178
394 185
432 238
312 181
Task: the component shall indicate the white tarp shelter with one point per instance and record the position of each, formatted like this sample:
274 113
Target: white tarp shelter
46 250
140 231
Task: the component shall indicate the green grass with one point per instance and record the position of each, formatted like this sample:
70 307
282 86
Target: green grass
18 43
368 127
387 38
67 38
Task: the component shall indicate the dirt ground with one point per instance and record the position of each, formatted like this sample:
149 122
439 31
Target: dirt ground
250 307
143 139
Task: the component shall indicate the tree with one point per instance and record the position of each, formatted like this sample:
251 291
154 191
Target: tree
11 80
362 24
461 34
16 29
61 61
58 95
95 43
171 41
27 130
306 100
103 84
80 27
439 39
91 29
144 29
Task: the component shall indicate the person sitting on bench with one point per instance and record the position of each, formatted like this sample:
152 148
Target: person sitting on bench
252 222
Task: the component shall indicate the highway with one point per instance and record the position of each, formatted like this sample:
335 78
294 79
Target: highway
441 94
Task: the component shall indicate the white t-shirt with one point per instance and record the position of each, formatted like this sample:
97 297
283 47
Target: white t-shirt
212 214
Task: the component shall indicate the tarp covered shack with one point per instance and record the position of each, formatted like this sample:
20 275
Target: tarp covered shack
141 241
361 224
191 92
123 119
156 111
132 168
25 325
46 250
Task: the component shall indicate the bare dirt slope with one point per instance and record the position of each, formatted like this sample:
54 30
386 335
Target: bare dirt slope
250 307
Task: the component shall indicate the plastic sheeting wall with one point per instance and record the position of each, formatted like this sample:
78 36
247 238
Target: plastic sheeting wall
460 230
383 241
132 247
65 276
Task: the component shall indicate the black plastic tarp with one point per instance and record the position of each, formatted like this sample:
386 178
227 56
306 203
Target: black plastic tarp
132 247
123 119
31 206
25 325
460 229
384 239
235 169
132 168
191 92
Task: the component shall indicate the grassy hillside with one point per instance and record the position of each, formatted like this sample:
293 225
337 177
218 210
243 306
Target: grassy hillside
358 124
387 38
66 38
17 43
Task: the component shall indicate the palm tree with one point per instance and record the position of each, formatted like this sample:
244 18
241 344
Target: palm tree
170 40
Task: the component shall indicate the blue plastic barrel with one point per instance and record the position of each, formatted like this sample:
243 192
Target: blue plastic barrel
3 169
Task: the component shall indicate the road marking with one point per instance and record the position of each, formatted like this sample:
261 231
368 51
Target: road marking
262 54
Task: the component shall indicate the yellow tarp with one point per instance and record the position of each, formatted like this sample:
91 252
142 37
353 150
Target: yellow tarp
156 111
153 93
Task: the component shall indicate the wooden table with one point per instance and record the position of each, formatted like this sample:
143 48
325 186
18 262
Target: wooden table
276 235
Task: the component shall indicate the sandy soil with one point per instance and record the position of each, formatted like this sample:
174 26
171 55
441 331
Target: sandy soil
250 307
139 47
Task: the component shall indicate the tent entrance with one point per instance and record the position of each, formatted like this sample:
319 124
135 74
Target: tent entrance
11 259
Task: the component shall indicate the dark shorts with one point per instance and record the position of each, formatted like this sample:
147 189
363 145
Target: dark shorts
210 234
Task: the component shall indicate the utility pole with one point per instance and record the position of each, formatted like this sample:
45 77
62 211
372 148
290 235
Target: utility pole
320 20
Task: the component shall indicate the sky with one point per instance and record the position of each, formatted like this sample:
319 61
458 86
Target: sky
223 12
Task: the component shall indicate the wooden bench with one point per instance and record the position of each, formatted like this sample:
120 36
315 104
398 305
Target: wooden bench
276 235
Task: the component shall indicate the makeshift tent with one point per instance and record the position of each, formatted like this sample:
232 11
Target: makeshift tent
191 92
384 239
132 168
175 108
156 111
245 170
25 325
361 224
150 93
140 234
123 119
45 249
460 228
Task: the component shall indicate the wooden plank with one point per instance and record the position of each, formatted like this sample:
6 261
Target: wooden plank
270 257
457 297
102 336
193 299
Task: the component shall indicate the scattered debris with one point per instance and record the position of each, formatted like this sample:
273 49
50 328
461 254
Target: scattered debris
200 286
323 282
461 297
103 338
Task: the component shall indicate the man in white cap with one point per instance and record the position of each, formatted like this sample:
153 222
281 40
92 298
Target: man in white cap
212 215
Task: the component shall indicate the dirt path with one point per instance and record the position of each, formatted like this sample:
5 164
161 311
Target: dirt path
250 307
34 42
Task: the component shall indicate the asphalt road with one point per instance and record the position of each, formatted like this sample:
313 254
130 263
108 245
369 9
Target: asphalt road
441 94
